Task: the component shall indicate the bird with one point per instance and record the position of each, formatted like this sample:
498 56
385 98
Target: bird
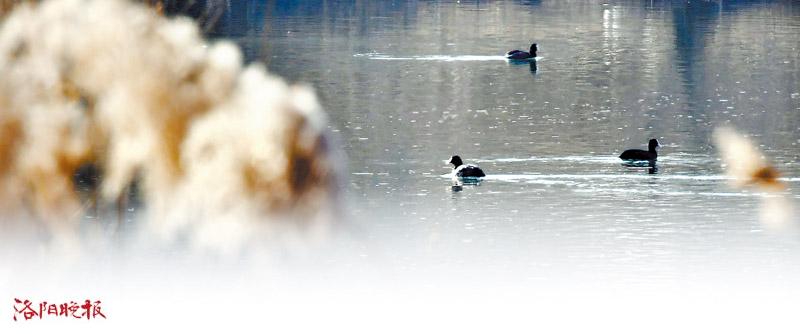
635 154
462 170
517 54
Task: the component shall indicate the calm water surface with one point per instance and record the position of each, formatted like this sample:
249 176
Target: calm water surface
407 84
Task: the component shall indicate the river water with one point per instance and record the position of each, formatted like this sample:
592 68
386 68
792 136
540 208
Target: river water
407 84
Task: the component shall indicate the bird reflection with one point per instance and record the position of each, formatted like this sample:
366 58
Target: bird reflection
531 63
652 167
459 183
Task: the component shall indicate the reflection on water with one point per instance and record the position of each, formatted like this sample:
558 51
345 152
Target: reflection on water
376 56
407 83
460 182
651 166
531 63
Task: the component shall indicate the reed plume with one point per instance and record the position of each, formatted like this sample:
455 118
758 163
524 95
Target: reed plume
744 163
747 167
146 99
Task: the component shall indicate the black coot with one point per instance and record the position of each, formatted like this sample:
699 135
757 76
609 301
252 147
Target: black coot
462 170
650 154
517 54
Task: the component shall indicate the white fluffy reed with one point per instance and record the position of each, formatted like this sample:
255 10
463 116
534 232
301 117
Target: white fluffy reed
215 144
743 162
746 166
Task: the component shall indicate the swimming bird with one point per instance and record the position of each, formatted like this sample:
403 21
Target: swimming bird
650 154
462 170
517 54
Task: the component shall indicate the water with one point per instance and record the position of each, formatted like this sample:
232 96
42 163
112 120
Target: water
409 84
